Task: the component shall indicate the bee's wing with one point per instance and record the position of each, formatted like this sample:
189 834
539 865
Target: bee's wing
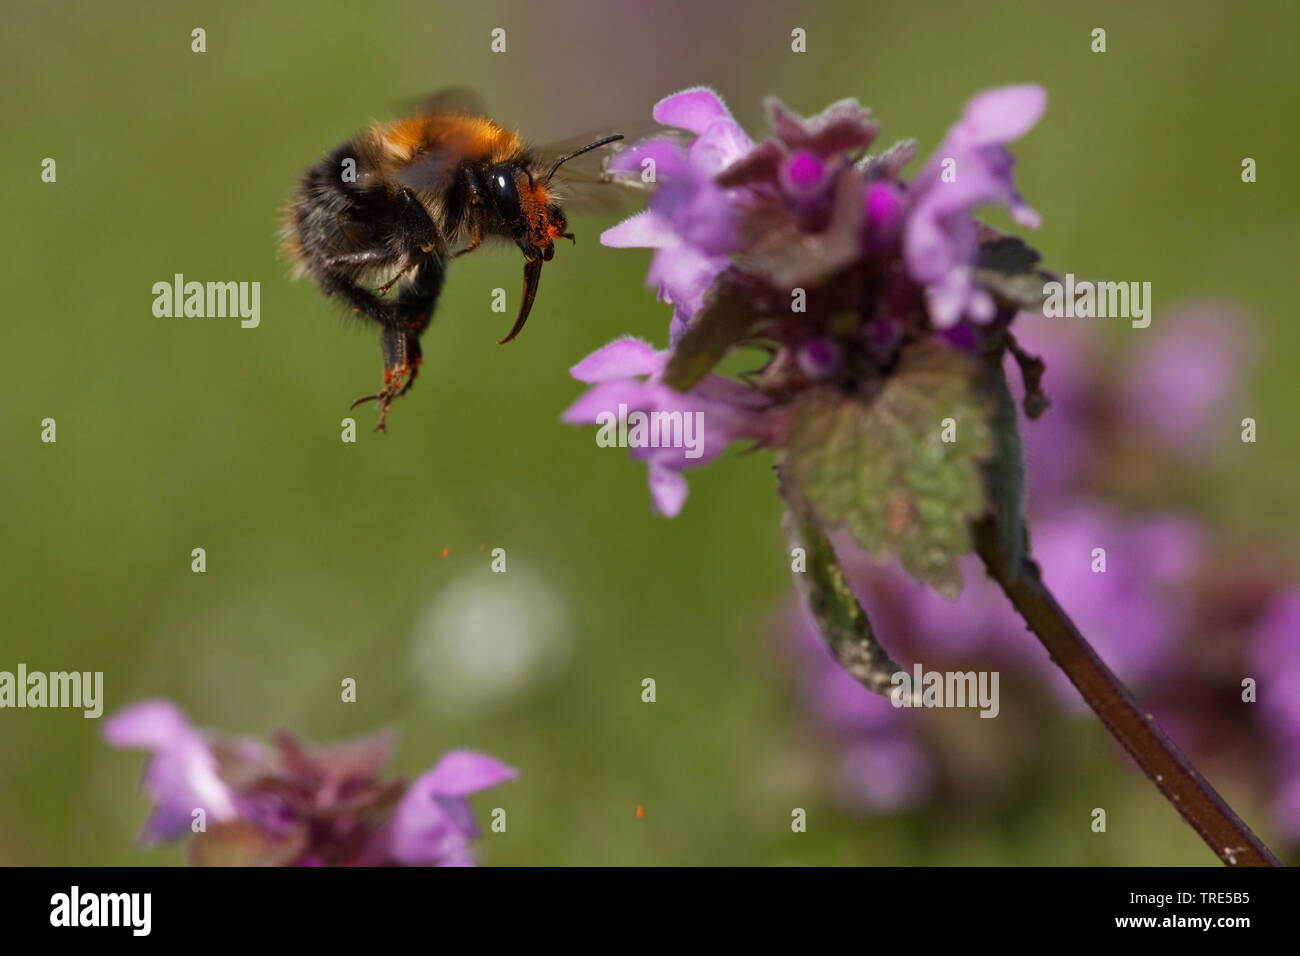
457 100
432 171
585 182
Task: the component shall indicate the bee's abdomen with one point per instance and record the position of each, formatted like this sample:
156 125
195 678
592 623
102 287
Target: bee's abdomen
341 208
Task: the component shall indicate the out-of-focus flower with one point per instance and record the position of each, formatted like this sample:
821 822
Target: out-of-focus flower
1275 663
1184 374
1119 579
1170 395
885 773
182 774
1275 660
291 805
433 824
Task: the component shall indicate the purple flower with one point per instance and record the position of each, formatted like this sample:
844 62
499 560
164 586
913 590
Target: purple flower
971 168
1273 659
690 222
1171 396
1184 375
1286 807
884 215
1129 611
804 174
806 242
291 805
182 775
1275 664
625 379
433 824
885 774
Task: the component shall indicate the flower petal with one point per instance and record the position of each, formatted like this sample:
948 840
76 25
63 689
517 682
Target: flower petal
150 725
694 109
645 230
605 398
669 159
181 776
462 772
1004 114
622 358
668 490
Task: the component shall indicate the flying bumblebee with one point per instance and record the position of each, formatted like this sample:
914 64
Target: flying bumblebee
389 209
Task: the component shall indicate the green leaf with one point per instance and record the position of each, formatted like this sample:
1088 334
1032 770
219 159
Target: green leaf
878 466
840 618
1008 269
725 319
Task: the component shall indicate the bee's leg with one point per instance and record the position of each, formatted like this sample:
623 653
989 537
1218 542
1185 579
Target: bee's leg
414 359
401 338
400 365
383 289
358 258
475 190
475 240
363 300
416 235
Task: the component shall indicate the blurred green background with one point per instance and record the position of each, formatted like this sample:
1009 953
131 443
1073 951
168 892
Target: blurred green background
325 559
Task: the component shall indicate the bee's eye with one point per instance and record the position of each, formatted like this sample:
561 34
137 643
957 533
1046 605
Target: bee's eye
501 183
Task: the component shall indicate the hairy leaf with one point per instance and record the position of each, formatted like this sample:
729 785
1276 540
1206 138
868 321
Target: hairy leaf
878 464
840 618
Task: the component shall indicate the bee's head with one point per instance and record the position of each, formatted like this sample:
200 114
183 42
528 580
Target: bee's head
533 219
527 210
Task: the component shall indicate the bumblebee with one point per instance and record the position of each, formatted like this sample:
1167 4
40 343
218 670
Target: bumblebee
389 209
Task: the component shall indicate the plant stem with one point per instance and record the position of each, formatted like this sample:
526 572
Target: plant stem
1172 773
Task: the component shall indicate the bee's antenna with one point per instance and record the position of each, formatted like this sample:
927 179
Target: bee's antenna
578 152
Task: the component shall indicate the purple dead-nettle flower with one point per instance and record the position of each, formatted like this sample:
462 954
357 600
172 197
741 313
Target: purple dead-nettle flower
879 312
809 248
181 776
288 804
690 222
971 168
625 378
433 824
